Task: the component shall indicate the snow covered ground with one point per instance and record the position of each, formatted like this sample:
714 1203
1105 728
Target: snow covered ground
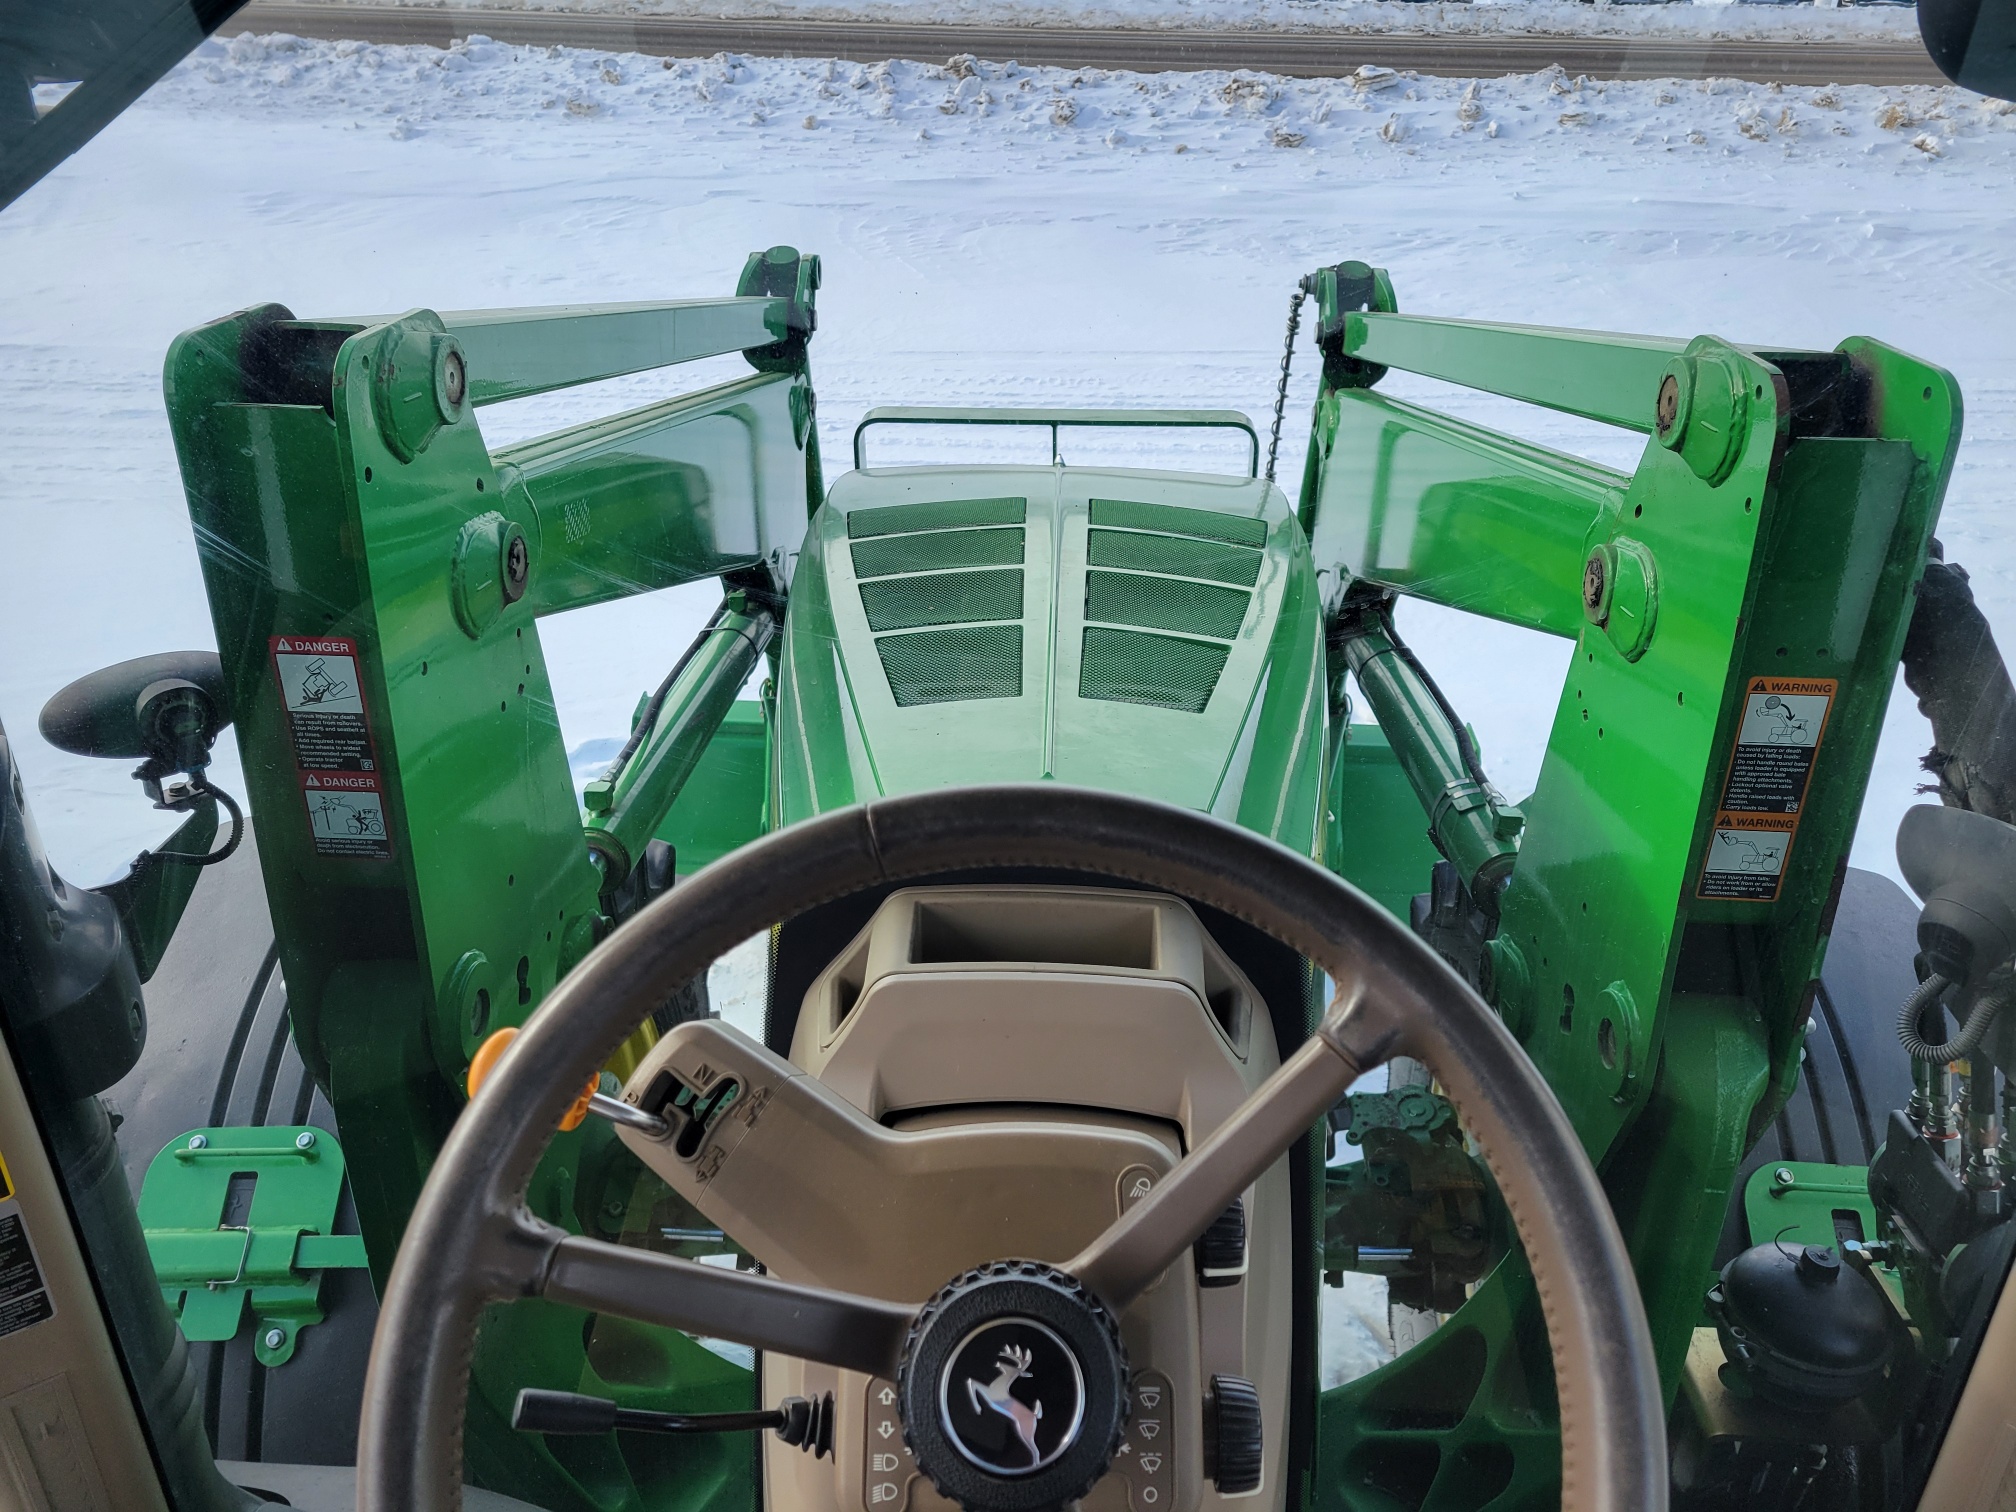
1771 21
990 235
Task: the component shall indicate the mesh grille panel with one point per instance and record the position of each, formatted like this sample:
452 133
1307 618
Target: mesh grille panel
898 519
1124 666
945 548
948 666
1125 598
942 598
1160 553
1206 523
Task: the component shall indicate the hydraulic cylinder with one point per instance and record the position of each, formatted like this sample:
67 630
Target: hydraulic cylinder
1469 821
626 805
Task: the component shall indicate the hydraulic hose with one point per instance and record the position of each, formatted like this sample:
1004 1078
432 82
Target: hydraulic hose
1910 1025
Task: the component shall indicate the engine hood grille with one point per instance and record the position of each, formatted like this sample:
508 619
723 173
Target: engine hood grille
1103 627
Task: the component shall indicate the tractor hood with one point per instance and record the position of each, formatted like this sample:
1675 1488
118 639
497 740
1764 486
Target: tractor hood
1151 632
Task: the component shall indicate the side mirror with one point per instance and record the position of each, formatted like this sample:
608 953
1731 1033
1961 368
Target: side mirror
165 710
1972 42
1963 865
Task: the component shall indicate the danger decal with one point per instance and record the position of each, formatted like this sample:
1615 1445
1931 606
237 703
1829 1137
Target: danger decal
322 692
346 816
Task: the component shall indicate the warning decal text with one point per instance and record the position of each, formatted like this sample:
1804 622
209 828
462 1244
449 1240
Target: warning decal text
1777 743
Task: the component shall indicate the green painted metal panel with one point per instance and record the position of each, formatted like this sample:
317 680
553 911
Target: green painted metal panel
1798 1202
1272 779
1235 724
515 353
239 1220
628 808
1596 374
1450 512
722 806
687 488
1375 836
351 515
1663 1001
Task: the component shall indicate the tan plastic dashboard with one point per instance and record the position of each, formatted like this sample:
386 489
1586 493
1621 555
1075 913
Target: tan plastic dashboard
1030 1061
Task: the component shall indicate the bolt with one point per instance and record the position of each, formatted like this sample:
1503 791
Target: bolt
517 567
275 1337
454 379
305 1140
1595 578
1667 410
1783 1176
199 1142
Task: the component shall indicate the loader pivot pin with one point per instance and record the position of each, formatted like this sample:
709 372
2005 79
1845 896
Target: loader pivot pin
1666 411
1595 583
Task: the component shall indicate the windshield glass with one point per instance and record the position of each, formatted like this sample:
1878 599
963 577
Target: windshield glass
1652 679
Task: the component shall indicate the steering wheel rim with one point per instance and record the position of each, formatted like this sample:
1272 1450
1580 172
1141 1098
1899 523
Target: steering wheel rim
470 1241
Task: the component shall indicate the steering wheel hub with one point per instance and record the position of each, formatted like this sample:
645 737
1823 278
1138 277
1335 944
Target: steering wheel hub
1014 1388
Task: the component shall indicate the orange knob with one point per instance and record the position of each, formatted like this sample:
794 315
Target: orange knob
491 1051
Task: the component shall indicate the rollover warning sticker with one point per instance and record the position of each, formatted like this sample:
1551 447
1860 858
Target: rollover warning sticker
1777 744
324 698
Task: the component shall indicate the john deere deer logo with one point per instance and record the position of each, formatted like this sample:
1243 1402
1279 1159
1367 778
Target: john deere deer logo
1012 1366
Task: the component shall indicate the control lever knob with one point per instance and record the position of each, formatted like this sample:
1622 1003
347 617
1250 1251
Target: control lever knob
805 1425
1221 1248
1234 1439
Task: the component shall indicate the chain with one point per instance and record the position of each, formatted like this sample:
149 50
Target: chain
1281 394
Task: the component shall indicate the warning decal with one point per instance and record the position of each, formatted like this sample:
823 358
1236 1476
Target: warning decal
1777 743
324 699
1746 858
323 693
24 1295
346 815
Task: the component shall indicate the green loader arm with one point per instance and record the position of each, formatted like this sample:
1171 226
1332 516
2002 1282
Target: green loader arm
377 574
1651 921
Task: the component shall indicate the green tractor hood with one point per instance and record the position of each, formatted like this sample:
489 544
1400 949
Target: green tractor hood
1104 627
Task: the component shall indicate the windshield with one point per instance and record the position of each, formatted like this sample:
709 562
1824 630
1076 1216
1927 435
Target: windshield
1652 679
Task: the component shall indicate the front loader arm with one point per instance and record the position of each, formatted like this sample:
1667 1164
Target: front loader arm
376 574
1665 913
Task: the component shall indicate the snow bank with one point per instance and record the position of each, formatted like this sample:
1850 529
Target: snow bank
994 107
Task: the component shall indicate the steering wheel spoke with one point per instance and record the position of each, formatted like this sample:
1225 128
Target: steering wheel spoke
1144 1242
809 1323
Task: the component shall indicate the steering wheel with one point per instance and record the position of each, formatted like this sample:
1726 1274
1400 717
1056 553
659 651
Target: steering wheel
472 1242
